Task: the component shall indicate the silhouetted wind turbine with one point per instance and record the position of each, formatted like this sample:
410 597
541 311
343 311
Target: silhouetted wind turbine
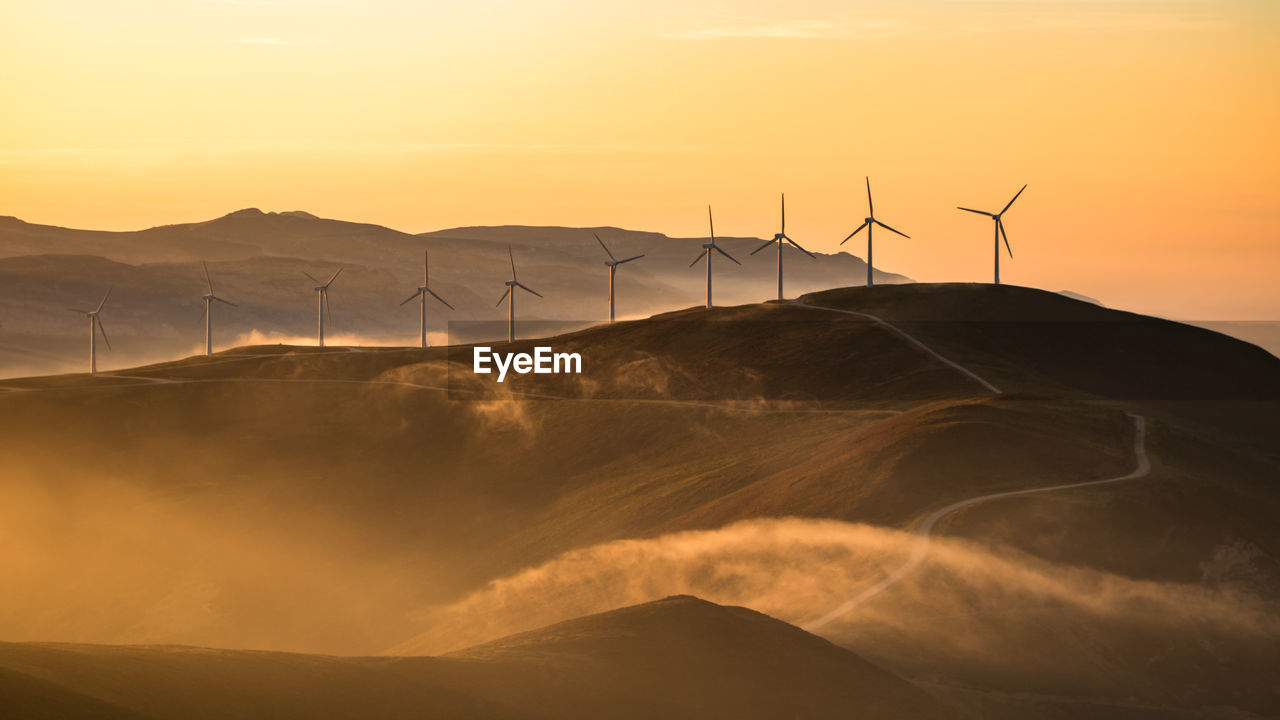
780 238
95 327
421 294
997 217
706 252
869 223
208 314
512 284
322 302
612 264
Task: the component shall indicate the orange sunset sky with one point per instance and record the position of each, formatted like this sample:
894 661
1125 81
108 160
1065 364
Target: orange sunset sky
1146 130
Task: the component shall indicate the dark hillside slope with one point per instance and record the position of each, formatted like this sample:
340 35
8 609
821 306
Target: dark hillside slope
677 658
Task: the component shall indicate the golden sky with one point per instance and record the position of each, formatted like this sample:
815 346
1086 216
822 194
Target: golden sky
1146 129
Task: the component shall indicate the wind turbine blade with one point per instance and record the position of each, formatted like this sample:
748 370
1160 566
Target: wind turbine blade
225 302
104 300
327 313
606 248
784 213
871 207
1015 197
526 287
424 267
980 212
434 295
512 257
695 260
717 249
334 277
886 227
1000 224
411 298
311 277
204 310
806 252
207 279
103 330
712 223
504 296
630 259
855 232
753 252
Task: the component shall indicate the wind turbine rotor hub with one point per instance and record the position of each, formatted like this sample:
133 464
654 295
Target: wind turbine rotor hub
708 246
868 220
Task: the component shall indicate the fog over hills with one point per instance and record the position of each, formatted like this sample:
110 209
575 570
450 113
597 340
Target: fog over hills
257 260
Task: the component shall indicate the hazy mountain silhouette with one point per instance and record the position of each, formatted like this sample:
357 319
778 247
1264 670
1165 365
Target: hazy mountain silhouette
257 260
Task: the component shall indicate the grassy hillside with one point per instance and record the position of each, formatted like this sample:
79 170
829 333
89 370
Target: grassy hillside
329 501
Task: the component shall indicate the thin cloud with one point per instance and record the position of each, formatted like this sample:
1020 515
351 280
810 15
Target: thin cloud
297 42
1151 22
286 3
788 30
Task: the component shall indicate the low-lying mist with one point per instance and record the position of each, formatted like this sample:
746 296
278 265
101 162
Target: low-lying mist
119 564
970 613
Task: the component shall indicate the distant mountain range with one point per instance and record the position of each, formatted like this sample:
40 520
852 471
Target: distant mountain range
257 260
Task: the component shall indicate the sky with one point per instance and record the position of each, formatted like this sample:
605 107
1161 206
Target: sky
1144 129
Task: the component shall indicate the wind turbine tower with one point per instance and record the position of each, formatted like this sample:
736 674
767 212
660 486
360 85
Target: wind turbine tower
512 284
781 238
421 295
209 299
706 252
612 264
322 302
869 223
999 230
95 327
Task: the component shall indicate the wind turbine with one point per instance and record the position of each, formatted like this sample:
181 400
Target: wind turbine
512 284
322 302
869 223
997 217
208 314
706 252
95 327
612 264
780 238
421 295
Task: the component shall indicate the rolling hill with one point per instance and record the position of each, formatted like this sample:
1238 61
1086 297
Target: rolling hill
345 500
679 657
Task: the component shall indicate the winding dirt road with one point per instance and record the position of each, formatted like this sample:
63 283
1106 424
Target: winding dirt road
925 529
910 339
